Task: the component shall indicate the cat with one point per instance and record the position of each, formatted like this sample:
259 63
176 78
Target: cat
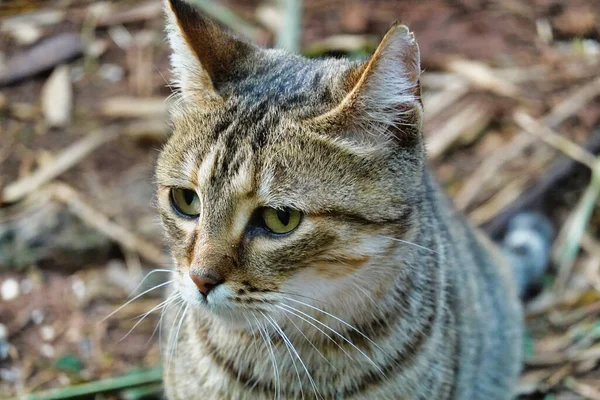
315 254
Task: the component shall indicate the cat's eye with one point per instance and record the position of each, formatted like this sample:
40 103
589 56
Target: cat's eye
186 202
280 221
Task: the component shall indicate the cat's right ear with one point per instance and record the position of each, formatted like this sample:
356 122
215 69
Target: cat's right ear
205 56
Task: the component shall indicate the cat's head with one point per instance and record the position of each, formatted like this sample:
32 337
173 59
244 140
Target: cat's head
286 176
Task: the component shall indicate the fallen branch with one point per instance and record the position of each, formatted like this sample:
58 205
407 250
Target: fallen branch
473 118
229 18
134 107
536 194
93 217
490 167
64 161
568 242
482 76
41 57
559 142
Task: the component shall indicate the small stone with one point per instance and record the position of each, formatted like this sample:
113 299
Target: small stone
78 287
47 350
9 375
9 289
48 333
26 34
26 286
57 97
4 350
37 316
111 72
4 346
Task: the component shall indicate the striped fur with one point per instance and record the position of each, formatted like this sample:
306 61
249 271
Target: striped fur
382 292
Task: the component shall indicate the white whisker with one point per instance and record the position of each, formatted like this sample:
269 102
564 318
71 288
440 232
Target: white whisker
288 346
135 298
317 328
309 342
145 315
409 243
146 277
340 335
267 341
337 319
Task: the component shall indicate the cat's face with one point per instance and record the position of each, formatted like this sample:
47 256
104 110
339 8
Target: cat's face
285 177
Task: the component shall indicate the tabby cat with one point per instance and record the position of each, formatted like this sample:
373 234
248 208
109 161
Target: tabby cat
315 254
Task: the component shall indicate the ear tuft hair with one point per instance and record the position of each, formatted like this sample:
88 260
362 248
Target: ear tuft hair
384 94
204 55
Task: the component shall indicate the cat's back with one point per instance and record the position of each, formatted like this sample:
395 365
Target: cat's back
484 302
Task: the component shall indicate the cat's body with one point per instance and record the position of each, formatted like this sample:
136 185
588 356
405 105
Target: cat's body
380 290
449 328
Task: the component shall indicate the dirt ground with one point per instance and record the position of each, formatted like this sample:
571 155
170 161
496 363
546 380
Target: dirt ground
512 98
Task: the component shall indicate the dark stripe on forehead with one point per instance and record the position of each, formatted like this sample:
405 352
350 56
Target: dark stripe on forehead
240 125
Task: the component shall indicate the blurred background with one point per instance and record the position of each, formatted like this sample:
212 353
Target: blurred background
512 98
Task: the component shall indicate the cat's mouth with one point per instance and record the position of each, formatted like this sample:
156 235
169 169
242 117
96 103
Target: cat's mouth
222 299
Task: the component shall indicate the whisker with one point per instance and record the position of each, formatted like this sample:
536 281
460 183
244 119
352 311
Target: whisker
135 298
297 294
179 327
309 342
172 298
287 346
160 322
144 316
267 341
337 319
146 277
319 329
172 334
341 336
409 243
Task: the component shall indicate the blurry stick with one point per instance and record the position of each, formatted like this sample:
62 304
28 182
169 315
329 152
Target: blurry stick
345 43
587 391
138 13
489 168
134 107
502 199
567 244
96 219
559 142
288 36
228 18
441 100
473 118
64 161
41 57
482 76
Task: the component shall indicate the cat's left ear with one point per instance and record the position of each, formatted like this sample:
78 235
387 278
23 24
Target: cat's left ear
383 95
205 56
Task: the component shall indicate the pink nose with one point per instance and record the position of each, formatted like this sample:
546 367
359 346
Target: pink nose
206 281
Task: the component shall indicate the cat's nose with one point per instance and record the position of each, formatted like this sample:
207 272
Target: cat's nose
206 281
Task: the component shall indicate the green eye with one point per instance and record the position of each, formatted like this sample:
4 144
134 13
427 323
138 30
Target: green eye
281 221
186 202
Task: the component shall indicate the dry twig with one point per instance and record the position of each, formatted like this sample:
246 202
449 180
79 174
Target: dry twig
490 167
64 161
93 217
